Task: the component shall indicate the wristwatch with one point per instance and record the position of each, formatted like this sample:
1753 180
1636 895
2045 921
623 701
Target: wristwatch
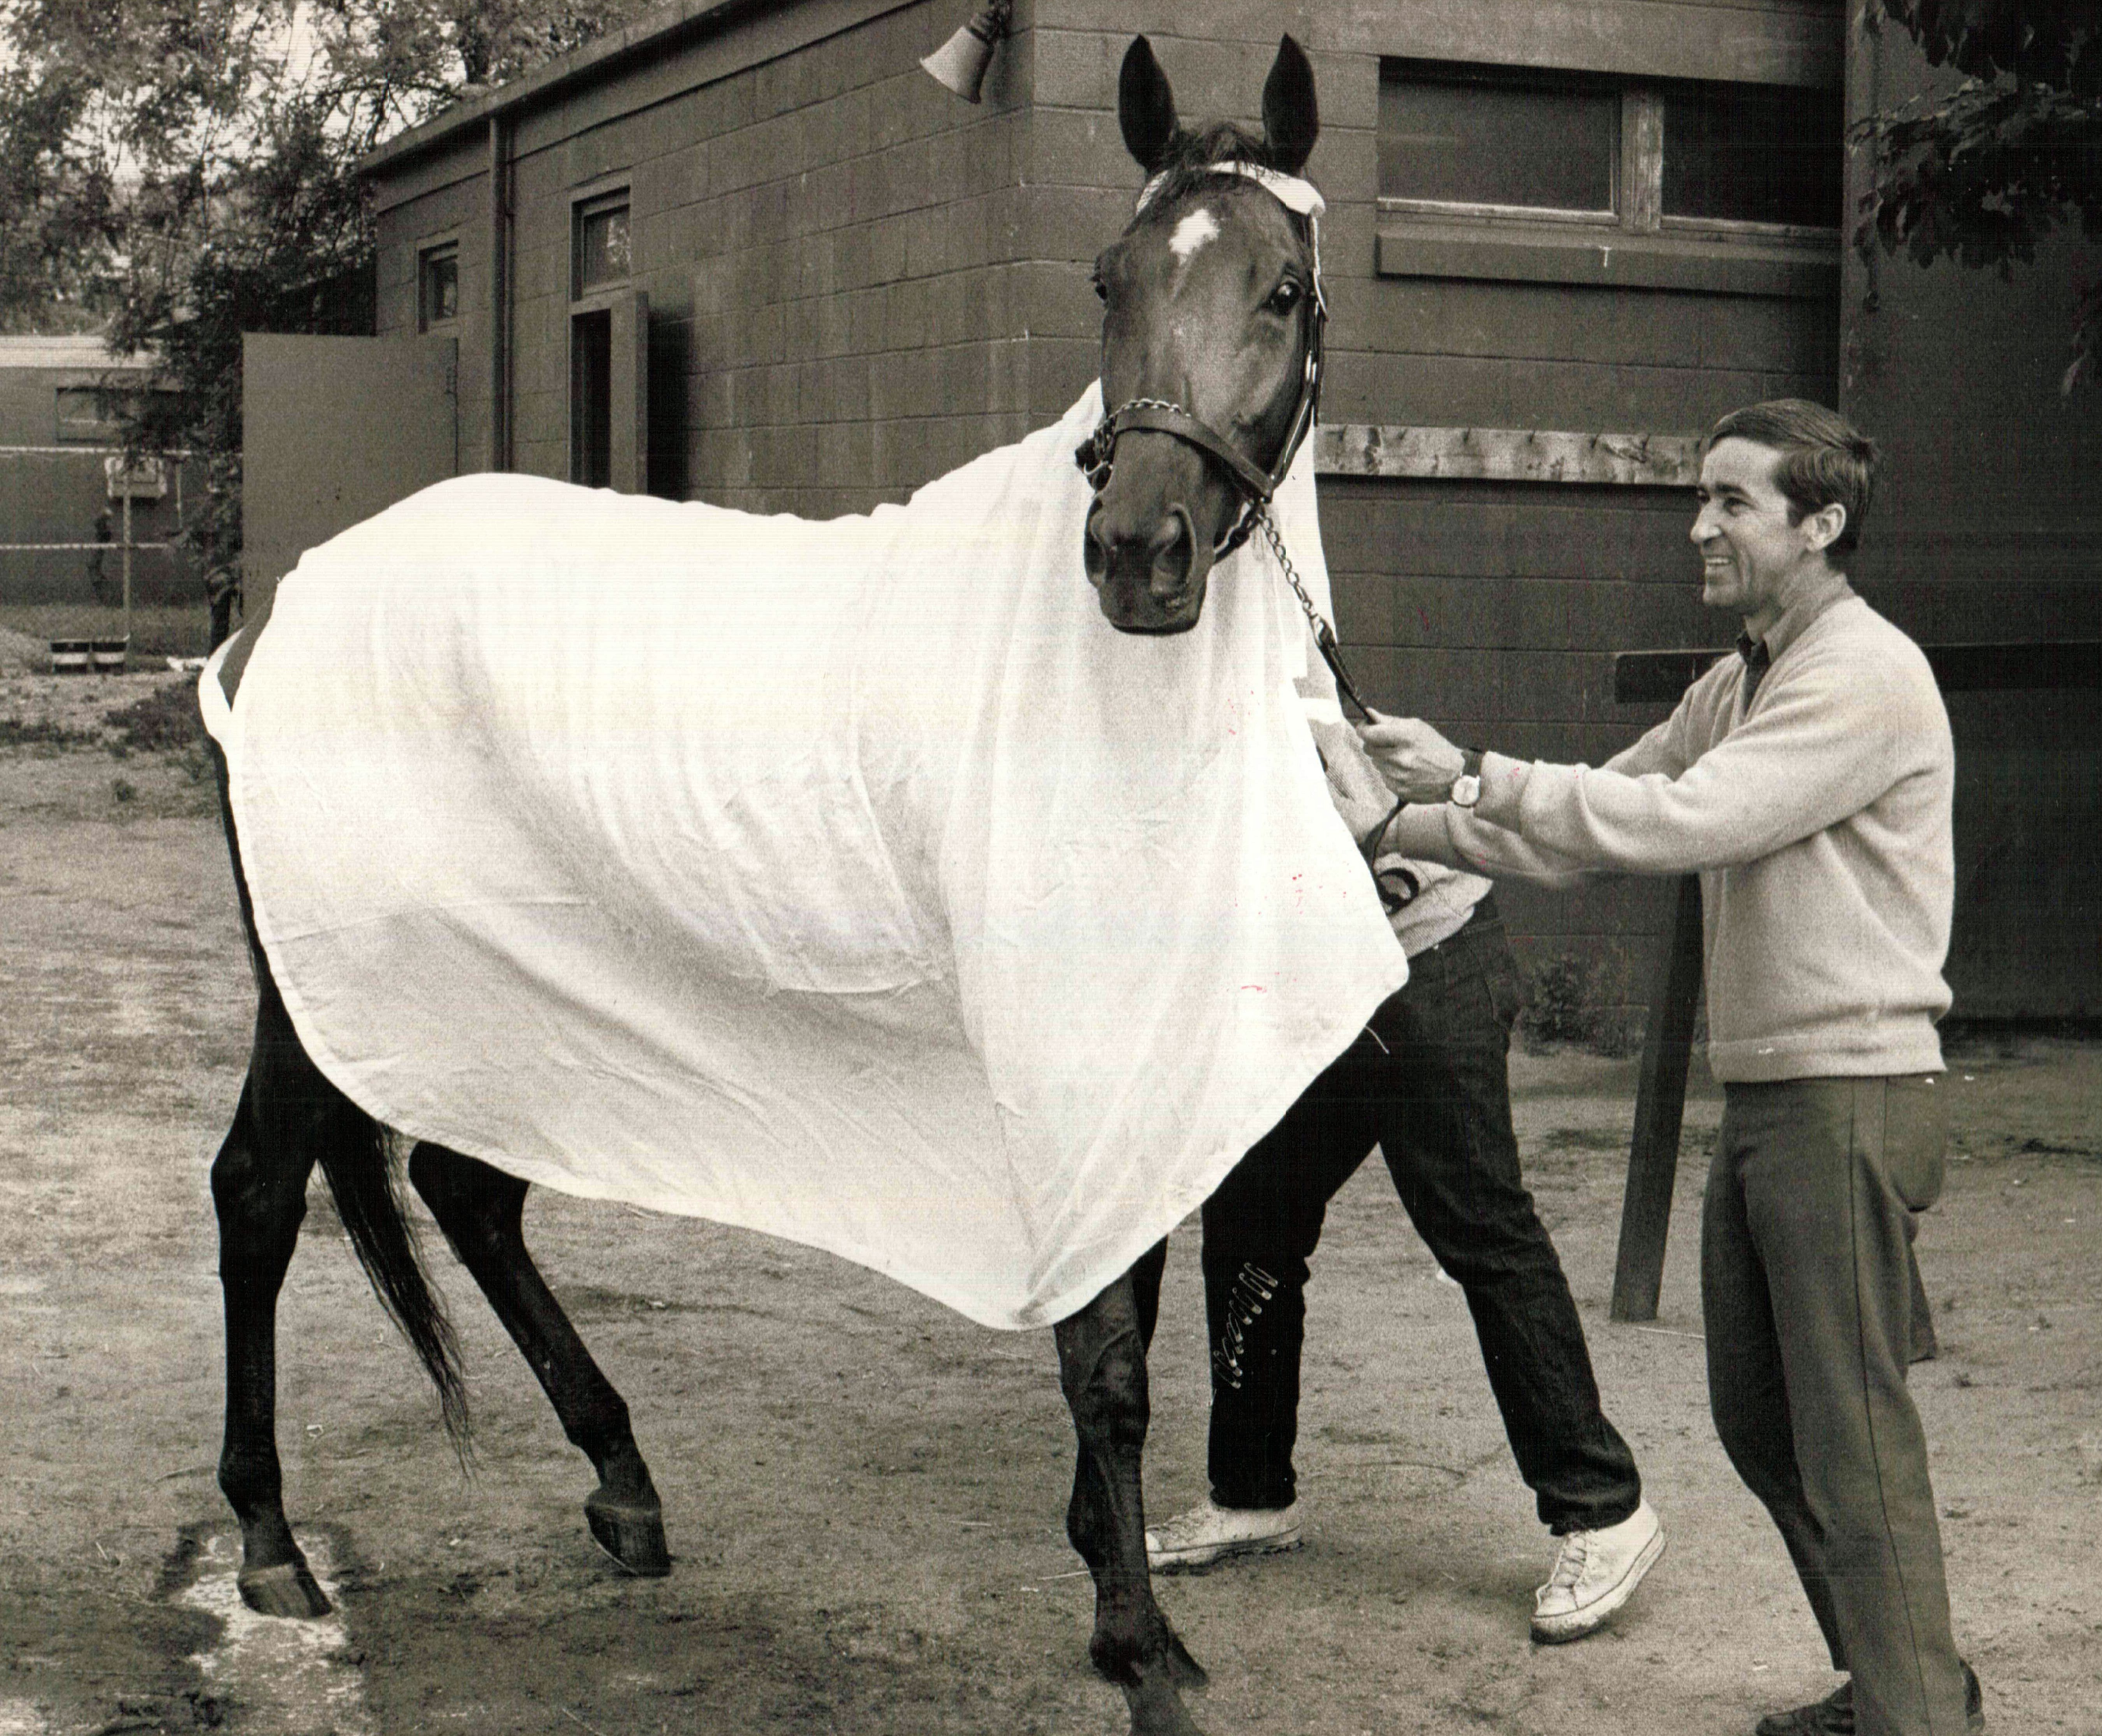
1466 788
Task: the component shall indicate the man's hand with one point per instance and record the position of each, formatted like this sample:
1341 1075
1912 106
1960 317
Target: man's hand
1354 785
1418 764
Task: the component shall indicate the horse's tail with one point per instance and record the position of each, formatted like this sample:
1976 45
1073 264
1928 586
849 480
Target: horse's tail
353 1150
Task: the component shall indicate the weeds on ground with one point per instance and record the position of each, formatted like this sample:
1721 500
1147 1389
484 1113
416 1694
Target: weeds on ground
164 720
44 733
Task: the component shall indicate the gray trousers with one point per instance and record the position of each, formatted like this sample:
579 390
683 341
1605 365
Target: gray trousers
1807 1290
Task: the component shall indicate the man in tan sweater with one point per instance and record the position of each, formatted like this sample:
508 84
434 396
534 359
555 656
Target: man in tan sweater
1807 780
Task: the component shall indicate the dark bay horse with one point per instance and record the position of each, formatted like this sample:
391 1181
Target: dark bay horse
1210 363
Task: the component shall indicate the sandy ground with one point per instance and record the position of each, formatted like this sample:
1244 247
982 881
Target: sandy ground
865 1493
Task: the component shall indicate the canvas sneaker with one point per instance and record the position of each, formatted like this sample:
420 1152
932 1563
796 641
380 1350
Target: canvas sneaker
1833 1715
1595 1572
1209 1534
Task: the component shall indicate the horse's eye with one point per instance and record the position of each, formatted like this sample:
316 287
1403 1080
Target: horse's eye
1102 288
1285 297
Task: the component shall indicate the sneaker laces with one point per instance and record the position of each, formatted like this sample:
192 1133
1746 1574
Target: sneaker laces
1570 1563
1184 1528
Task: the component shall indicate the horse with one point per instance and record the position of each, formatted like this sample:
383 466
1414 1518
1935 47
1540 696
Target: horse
1211 360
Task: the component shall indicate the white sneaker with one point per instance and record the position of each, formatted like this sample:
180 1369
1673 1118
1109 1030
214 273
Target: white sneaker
1596 1573
1210 1534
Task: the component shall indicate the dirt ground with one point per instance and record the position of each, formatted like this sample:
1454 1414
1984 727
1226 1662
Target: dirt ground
864 1492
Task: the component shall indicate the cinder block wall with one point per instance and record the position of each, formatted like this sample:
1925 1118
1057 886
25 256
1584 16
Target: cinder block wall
858 282
442 196
832 246
828 241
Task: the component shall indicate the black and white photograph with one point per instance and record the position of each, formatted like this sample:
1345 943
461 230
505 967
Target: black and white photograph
971 867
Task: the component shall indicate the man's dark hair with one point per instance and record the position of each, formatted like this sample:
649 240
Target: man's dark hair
1825 459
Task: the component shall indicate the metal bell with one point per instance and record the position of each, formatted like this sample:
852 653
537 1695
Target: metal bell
959 63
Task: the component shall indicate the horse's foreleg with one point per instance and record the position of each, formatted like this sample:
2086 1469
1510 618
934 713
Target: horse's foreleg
258 1186
481 1211
1101 1367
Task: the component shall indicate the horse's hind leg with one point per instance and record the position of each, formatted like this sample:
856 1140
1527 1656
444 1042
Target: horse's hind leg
481 1210
1102 1367
259 1186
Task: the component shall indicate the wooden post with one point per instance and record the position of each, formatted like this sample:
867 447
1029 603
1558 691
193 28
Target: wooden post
1660 1109
127 563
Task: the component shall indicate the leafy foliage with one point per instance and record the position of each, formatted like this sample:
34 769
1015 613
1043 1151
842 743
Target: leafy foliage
176 172
1571 1001
1982 173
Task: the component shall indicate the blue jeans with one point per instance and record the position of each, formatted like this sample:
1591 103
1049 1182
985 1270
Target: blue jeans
1426 1082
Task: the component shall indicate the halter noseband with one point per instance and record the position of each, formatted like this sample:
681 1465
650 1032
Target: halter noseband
1097 455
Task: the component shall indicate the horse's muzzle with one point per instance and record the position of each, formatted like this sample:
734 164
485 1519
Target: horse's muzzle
1148 571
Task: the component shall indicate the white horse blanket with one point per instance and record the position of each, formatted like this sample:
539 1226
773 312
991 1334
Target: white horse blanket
852 881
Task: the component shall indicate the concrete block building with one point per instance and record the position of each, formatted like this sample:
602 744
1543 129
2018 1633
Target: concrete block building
754 254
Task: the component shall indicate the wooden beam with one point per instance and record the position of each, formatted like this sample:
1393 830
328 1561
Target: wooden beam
1353 449
1660 1112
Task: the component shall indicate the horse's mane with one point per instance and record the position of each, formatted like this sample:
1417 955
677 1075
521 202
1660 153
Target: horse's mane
1193 157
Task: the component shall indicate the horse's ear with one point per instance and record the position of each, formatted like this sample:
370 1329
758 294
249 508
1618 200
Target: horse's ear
1145 106
1290 120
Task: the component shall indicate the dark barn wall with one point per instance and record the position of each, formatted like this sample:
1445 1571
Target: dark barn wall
857 281
1987 527
442 197
831 244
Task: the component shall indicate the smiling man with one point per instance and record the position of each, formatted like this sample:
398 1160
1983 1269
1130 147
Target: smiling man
1808 780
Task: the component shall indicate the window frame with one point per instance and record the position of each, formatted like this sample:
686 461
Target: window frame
1519 78
585 203
98 430
428 253
1635 246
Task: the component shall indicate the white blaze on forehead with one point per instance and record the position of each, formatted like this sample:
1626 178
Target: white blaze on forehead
1193 233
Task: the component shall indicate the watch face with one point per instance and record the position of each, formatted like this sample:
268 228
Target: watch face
1467 790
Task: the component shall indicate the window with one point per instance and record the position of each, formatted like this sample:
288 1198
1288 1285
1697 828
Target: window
602 259
1751 153
437 285
1447 138
1647 156
88 414
95 415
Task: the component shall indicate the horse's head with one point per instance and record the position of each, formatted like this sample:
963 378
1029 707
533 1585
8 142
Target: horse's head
1211 342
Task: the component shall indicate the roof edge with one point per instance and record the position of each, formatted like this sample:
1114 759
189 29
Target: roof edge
682 18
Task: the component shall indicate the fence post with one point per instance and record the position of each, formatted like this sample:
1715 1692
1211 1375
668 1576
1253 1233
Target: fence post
1660 1111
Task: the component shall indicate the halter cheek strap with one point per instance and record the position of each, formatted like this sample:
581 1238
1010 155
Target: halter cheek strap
1097 455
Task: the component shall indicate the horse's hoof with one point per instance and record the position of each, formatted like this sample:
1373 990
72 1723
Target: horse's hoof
286 1589
632 1533
1183 1670
1157 1709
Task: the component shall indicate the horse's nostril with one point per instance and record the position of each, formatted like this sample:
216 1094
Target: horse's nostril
1170 555
1096 550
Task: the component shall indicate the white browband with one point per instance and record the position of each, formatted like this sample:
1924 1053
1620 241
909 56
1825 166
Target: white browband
1294 194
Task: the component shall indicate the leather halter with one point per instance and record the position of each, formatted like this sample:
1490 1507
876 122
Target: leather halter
1097 455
